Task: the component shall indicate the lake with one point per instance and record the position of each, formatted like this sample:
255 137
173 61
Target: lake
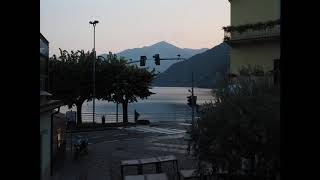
167 104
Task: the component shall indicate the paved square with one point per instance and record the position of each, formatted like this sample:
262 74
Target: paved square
107 149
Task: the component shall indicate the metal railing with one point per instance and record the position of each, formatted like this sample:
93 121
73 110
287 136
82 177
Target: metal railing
152 117
252 34
109 117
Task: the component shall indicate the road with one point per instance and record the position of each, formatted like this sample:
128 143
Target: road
107 149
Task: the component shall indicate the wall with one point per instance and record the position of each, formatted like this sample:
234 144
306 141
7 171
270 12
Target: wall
252 11
262 54
45 130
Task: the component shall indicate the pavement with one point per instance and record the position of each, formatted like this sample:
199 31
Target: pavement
107 149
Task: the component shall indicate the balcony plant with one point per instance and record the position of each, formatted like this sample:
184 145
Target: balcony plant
255 26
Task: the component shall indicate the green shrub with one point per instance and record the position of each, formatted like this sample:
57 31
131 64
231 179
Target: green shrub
241 124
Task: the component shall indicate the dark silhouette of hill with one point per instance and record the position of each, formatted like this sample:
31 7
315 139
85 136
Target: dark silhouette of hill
166 50
208 67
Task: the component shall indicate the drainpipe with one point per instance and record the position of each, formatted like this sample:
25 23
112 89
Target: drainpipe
51 141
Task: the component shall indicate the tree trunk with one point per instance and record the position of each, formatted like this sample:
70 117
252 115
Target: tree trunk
79 114
125 111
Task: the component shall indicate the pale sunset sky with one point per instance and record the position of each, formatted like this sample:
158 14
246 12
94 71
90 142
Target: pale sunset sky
126 24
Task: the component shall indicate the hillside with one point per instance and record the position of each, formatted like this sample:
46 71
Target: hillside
207 67
166 50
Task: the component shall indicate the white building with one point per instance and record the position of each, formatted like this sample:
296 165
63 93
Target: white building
46 113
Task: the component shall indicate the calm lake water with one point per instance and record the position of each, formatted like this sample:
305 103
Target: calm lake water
168 104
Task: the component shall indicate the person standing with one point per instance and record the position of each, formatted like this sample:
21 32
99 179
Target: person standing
136 116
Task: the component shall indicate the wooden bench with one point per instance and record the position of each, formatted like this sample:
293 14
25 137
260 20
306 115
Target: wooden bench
189 174
155 160
160 176
192 173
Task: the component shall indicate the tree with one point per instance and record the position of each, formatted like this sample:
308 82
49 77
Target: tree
128 83
244 123
71 78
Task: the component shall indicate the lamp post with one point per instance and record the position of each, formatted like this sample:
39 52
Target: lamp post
94 23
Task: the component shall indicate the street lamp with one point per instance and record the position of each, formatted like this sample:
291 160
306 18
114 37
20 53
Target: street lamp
94 23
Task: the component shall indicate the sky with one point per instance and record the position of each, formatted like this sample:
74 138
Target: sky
126 24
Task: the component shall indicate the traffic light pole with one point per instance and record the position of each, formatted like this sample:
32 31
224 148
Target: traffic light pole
192 97
165 59
173 59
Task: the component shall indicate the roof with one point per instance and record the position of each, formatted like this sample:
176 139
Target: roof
44 93
50 104
43 38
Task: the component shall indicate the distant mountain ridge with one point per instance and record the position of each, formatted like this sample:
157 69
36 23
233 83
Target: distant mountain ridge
165 49
208 67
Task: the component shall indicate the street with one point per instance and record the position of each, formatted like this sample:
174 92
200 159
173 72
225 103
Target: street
107 148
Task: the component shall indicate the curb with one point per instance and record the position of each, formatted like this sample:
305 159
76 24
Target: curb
99 129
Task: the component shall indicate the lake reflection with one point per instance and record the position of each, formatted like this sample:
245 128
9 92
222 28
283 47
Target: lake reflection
168 104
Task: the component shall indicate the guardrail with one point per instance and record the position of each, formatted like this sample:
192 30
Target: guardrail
153 117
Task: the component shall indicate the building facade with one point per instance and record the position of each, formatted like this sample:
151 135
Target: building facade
254 35
47 107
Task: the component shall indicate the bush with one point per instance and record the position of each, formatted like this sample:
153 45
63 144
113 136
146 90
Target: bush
241 124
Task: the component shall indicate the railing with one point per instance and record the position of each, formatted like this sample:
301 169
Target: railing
153 117
252 34
109 117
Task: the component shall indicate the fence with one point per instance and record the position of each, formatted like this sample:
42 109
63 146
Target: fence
152 117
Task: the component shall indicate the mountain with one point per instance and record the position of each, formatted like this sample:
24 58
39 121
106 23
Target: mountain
207 67
166 50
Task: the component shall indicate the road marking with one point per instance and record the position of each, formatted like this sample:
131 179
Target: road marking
156 138
157 130
115 135
94 137
109 141
167 150
171 145
176 131
185 124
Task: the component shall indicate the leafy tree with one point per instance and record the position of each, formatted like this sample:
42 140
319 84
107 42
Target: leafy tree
128 83
71 78
244 122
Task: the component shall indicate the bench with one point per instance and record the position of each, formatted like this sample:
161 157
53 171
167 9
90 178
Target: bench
160 176
192 173
155 160
188 174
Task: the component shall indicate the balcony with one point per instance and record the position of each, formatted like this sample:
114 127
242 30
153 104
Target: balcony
252 32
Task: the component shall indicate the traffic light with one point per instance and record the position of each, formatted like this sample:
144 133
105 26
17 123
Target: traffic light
143 60
192 101
189 100
157 59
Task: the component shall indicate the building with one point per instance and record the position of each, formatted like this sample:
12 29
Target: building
254 35
47 114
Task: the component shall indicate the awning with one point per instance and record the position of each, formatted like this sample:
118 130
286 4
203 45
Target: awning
45 93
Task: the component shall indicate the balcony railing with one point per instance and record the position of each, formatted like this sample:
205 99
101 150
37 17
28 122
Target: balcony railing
249 33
